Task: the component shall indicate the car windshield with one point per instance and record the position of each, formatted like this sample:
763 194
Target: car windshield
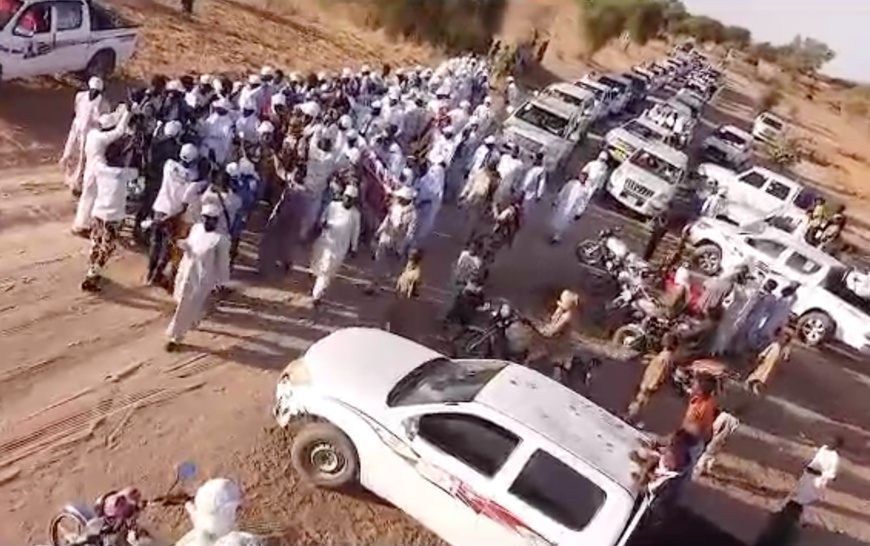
806 198
565 97
591 88
658 166
8 9
610 82
543 119
444 381
732 138
835 282
639 129
773 122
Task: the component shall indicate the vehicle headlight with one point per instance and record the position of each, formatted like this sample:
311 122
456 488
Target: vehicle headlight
296 373
702 170
617 183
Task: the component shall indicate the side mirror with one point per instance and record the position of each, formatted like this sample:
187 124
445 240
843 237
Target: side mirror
185 471
24 31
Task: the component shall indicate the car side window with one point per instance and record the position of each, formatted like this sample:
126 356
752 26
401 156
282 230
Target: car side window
481 444
778 190
35 19
754 179
766 246
556 490
69 16
802 264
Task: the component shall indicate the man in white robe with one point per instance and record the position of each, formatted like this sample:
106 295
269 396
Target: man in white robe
569 206
111 128
322 163
89 106
340 235
430 196
510 169
204 268
534 183
217 131
595 173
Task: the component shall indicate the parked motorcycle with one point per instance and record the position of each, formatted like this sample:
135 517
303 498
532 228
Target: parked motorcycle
502 336
112 520
610 253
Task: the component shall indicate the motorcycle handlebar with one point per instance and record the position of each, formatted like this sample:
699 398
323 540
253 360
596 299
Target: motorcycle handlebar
175 499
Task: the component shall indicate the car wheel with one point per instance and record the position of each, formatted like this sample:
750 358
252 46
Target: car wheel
101 65
708 259
815 328
628 337
325 456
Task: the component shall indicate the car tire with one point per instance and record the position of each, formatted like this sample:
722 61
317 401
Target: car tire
815 328
708 259
101 65
325 456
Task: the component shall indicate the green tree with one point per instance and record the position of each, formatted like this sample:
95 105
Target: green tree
738 37
806 55
645 20
602 23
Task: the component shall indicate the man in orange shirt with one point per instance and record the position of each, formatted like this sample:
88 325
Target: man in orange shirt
702 409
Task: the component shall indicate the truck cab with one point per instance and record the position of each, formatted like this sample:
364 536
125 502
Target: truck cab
546 125
40 37
754 193
621 86
620 142
767 127
649 179
574 97
603 94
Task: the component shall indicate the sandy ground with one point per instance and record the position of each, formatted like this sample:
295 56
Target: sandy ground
89 401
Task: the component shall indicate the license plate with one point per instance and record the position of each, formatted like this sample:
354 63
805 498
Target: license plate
619 154
632 199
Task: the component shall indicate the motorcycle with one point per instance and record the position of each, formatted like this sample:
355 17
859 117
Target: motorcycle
496 339
610 253
683 376
112 520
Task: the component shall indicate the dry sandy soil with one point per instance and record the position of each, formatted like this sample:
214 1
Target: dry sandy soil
89 401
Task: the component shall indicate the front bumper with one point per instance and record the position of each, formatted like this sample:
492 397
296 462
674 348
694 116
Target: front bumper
288 405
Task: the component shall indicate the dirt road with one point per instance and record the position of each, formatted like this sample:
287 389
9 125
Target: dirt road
89 401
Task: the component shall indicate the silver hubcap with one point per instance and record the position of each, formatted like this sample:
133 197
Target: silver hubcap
326 459
814 330
68 530
708 262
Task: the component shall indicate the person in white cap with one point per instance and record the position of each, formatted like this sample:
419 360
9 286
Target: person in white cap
246 124
322 164
89 105
484 154
510 170
164 146
221 195
217 131
595 172
340 229
514 95
459 116
111 178
204 268
253 91
238 538
534 183
443 146
393 236
110 128
177 190
485 117
569 206
213 513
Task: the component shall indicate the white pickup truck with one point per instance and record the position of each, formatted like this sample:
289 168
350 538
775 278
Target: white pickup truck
548 125
482 452
50 37
826 308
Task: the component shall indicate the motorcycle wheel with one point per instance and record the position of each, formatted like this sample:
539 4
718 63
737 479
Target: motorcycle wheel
629 337
66 529
589 253
473 343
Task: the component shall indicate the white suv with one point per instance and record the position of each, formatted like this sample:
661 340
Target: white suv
479 451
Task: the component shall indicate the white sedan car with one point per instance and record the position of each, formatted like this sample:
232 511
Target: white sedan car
479 451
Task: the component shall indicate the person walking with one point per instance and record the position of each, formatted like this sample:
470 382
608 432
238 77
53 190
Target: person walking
768 360
89 106
654 376
204 268
340 228
782 526
569 206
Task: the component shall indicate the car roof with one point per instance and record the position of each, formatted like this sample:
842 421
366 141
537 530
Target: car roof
737 131
616 77
554 106
668 153
777 176
573 90
648 123
567 419
796 243
771 115
594 83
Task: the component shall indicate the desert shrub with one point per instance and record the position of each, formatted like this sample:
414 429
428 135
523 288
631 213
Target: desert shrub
769 98
456 25
644 21
602 22
785 152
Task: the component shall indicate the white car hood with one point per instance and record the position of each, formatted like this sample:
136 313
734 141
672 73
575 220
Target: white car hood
716 172
528 134
360 366
621 135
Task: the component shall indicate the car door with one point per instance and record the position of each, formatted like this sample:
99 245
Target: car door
29 41
774 196
446 477
745 191
553 497
765 252
71 32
